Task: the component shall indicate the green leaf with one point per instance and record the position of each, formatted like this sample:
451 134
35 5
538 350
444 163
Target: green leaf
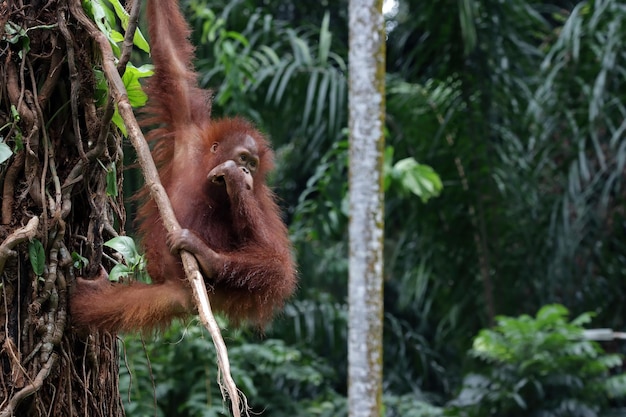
228 48
119 122
213 27
271 54
418 179
102 87
275 80
111 178
136 96
119 271
125 245
325 39
140 41
310 96
103 17
552 312
5 152
79 261
14 113
301 51
37 256
237 37
120 12
284 82
116 36
141 274
15 34
322 95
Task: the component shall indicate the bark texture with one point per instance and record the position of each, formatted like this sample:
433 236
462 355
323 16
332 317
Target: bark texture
56 121
367 117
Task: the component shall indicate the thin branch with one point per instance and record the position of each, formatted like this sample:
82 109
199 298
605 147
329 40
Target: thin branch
8 192
127 46
20 235
51 163
54 72
74 79
30 388
158 194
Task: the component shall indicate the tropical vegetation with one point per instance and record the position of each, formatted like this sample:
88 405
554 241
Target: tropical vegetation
504 193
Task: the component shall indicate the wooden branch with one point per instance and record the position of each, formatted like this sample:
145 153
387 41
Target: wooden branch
8 192
157 192
34 386
20 235
133 20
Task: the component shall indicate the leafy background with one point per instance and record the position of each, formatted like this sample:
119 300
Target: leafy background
504 169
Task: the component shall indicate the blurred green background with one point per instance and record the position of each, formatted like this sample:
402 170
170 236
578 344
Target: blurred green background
518 108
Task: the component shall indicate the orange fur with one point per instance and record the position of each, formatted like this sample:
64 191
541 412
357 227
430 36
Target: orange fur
242 237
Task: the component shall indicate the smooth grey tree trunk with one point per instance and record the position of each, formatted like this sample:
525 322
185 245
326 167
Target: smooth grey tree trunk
367 115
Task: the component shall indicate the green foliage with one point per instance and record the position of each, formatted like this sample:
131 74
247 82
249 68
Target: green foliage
232 53
135 265
5 150
108 15
278 379
526 134
105 13
111 179
37 256
539 366
78 261
15 34
518 108
269 64
412 177
324 185
290 80
409 405
320 324
557 167
321 215
122 15
136 95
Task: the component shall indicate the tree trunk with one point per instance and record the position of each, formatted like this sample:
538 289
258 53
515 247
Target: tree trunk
59 205
367 117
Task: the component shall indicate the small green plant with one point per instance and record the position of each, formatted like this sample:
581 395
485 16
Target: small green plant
135 262
79 261
541 366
